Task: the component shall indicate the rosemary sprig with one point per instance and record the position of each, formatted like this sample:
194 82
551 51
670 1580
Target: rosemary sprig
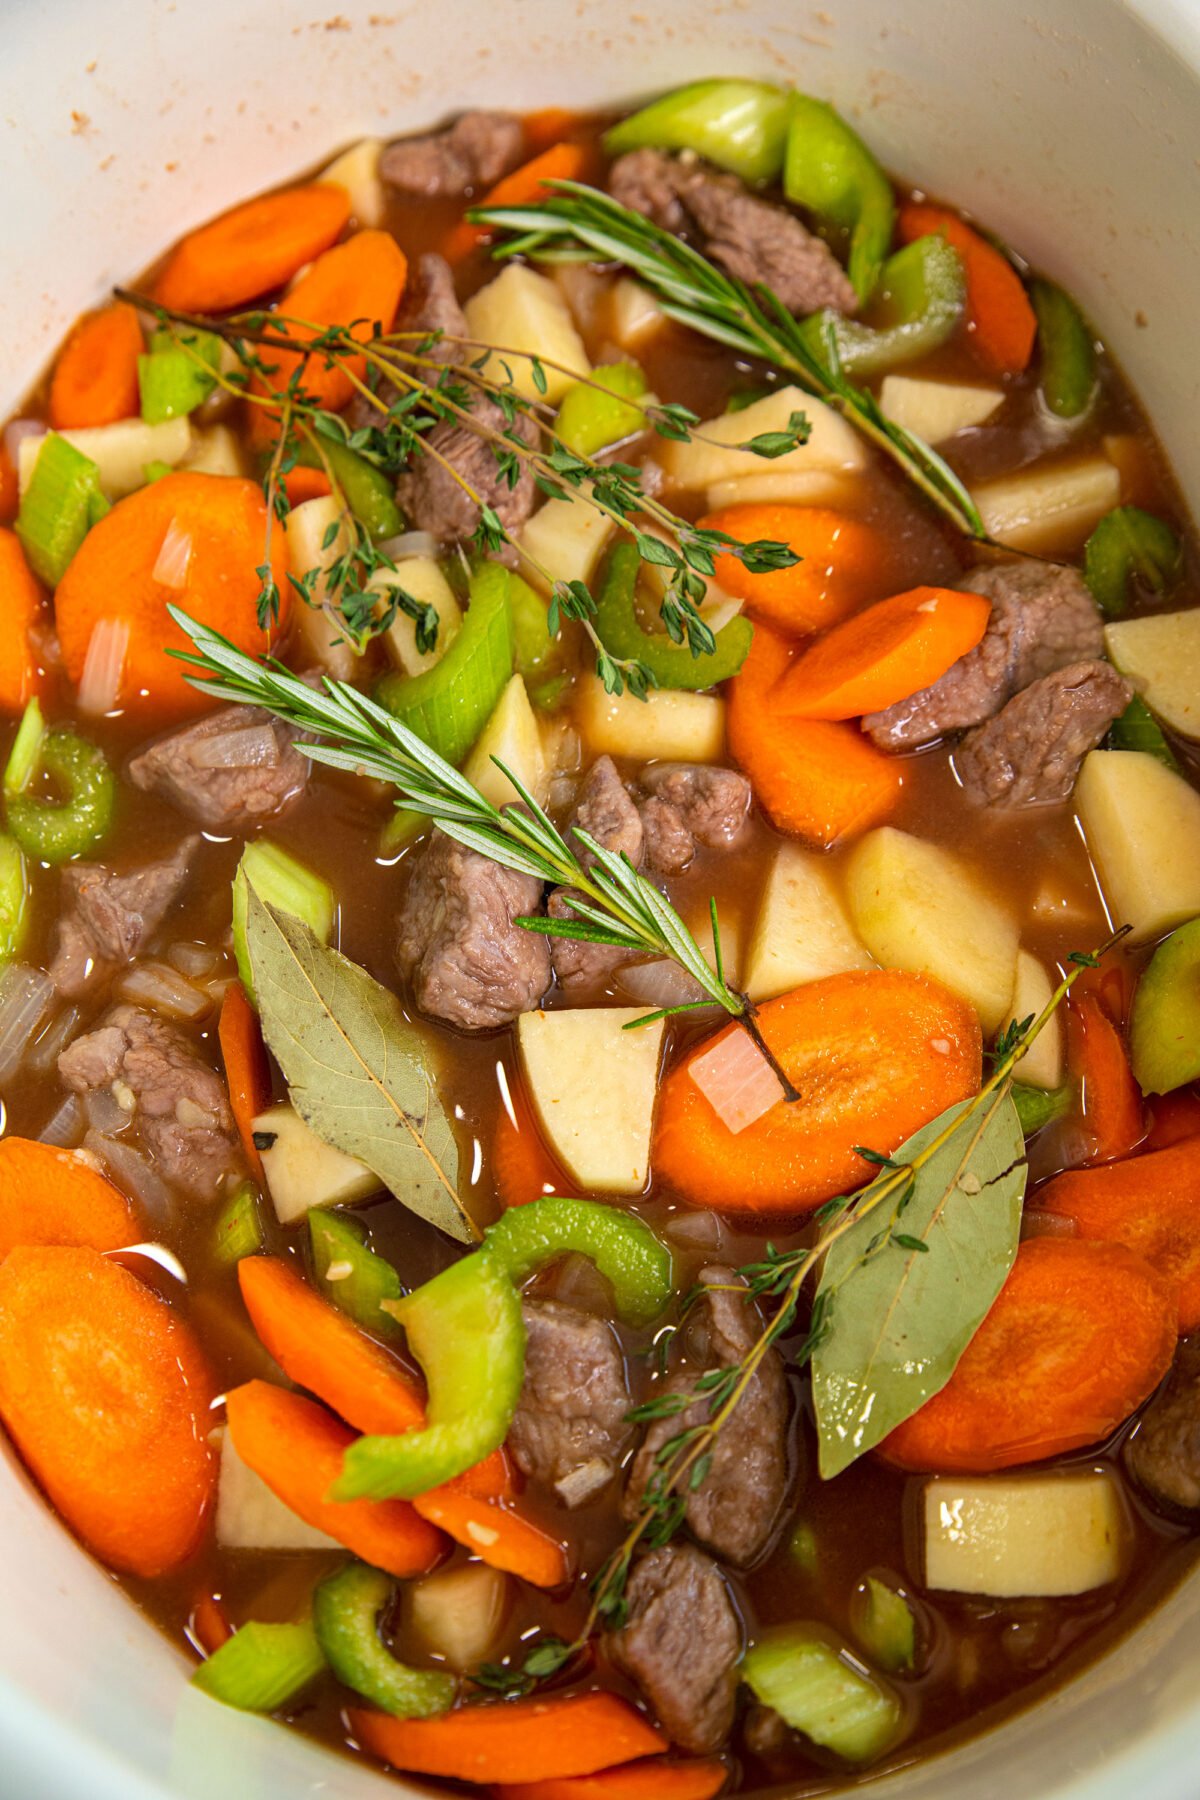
581 222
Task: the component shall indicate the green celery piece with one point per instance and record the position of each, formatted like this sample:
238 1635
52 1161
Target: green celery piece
346 1610
367 491
623 1248
922 290
24 759
14 897
170 380
739 125
671 664
54 831
829 170
286 884
1039 1107
238 1230
885 1626
465 1329
61 503
337 1239
803 1548
1066 350
547 695
154 471
594 414
1127 543
449 704
1164 1026
1138 729
402 828
536 652
262 1667
817 1691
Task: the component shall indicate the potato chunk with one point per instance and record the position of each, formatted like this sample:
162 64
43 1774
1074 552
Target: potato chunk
1142 825
1042 1064
935 410
250 1517
711 457
802 931
522 310
668 724
1161 656
593 1086
568 538
303 1171
1034 1535
1051 506
512 735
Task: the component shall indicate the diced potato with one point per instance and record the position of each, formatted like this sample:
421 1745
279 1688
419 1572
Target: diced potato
802 931
593 1086
1142 825
302 1171
511 734
567 537
1051 506
1042 1064
459 1613
322 637
522 310
421 577
357 170
1024 1537
634 313
668 723
710 456
215 451
120 452
917 907
1161 656
250 1517
935 410
821 487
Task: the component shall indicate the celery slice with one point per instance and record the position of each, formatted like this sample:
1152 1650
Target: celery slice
923 291
623 1248
450 704
346 1611
284 883
262 1667
1039 1107
14 897
739 125
596 413
238 1230
171 381
353 1277
818 1691
1138 729
885 1626
367 491
829 170
536 652
60 505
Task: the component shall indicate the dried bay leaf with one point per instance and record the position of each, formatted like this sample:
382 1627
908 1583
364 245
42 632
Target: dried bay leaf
357 1071
900 1317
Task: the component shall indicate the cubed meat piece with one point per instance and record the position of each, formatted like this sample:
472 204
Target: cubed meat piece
690 804
1043 618
735 1507
229 771
583 970
108 917
1031 752
681 1643
430 305
467 961
755 240
569 1429
472 153
1163 1454
432 500
605 809
670 846
177 1104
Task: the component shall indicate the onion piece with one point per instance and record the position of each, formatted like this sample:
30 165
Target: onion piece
410 544
249 747
174 558
660 982
737 1080
164 990
134 1174
104 1112
193 959
53 1037
64 1127
25 996
104 666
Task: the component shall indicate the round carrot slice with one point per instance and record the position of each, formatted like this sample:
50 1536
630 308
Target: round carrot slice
875 1055
534 1740
192 541
895 648
95 380
1080 1334
253 249
106 1394
51 1196
843 563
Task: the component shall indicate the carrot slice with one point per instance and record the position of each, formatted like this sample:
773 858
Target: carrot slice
301 484
561 162
10 490
297 1448
21 608
515 1740
1114 1115
1000 320
1150 1204
548 125
112 576
247 1071
1080 1334
699 1780
209 1625
95 380
1173 1118
51 1196
252 249
522 1167
497 1534
844 563
815 779
875 1055
105 1392
891 650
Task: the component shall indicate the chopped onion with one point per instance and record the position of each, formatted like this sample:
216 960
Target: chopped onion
134 1173
409 544
700 1230
250 747
104 666
584 1482
65 1126
164 990
25 995
105 1113
660 983
193 959
174 558
53 1037
736 1079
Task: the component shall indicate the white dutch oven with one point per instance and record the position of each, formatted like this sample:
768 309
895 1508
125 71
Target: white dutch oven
1075 133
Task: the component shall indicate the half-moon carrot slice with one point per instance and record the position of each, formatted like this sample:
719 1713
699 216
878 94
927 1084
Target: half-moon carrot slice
95 380
843 563
51 1196
252 249
885 653
515 1740
657 1780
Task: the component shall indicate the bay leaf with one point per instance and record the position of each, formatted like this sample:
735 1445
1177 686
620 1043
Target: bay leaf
357 1071
901 1317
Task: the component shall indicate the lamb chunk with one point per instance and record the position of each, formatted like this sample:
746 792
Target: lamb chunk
1043 618
692 804
467 961
569 1428
1030 753
605 810
229 771
445 165
180 1109
754 239
582 970
681 1645
430 304
432 500
108 918
1163 1454
734 1509
670 846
